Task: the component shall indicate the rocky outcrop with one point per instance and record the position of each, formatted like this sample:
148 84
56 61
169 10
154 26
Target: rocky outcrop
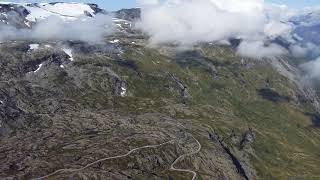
184 94
306 90
128 14
119 86
14 15
97 9
214 136
272 95
247 139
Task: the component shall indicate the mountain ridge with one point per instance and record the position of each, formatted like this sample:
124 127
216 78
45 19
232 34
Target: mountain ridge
123 109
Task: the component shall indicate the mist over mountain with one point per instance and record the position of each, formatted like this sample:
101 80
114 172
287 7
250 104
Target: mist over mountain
183 89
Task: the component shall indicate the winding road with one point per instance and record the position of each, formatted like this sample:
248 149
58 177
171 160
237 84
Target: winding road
172 167
101 160
183 156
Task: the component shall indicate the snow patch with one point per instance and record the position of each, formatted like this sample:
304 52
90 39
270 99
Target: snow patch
40 65
27 23
114 41
119 25
118 20
123 91
33 46
62 66
69 53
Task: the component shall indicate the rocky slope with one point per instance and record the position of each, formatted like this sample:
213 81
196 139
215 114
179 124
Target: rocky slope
123 110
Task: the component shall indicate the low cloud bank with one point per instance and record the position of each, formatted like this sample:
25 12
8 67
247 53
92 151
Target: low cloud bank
258 49
190 21
187 22
312 69
307 50
86 29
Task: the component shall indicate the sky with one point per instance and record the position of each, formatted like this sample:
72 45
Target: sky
119 4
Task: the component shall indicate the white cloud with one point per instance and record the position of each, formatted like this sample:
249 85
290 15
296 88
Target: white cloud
187 22
257 49
191 21
279 12
275 29
54 28
313 69
307 50
298 51
244 6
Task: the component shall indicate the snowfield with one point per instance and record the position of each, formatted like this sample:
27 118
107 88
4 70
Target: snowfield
66 11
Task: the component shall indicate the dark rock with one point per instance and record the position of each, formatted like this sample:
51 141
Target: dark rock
315 119
119 86
184 94
14 15
97 9
247 138
235 42
214 136
272 95
128 14
20 10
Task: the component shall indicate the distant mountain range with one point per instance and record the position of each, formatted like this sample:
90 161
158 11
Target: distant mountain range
22 15
308 26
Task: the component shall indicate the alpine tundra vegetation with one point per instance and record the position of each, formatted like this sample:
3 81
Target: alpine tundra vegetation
183 89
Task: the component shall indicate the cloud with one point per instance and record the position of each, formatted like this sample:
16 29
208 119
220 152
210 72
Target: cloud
298 51
279 12
188 22
148 2
305 50
257 49
192 21
274 29
87 29
312 69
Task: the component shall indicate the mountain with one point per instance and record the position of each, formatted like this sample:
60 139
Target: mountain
14 14
128 14
23 15
123 109
308 18
308 26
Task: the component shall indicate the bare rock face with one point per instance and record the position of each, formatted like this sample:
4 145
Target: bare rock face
14 15
182 88
247 138
306 89
128 14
